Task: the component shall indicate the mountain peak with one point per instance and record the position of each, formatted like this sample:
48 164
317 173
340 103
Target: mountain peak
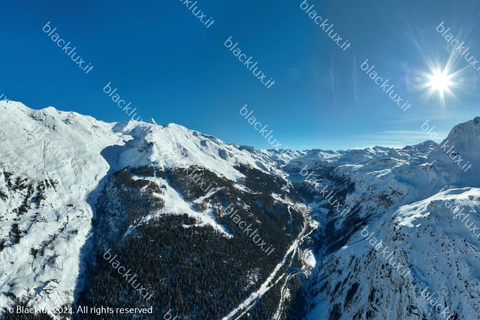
466 135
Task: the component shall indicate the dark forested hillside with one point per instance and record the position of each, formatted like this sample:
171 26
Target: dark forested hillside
187 267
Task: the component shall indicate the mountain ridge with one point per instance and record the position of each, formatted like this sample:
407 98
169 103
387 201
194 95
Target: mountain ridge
70 185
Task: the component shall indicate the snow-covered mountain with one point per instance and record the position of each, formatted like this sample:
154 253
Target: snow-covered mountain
408 245
169 204
67 178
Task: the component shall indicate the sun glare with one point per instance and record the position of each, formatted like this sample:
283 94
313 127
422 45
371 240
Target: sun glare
440 81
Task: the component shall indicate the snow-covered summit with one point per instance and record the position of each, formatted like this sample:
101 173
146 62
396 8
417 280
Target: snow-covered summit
52 164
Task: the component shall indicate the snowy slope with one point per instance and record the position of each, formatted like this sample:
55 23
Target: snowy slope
408 200
176 146
53 164
58 152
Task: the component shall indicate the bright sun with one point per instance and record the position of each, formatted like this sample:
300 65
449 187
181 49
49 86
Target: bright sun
440 82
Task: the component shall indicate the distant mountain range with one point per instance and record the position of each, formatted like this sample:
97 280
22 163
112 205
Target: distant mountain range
175 222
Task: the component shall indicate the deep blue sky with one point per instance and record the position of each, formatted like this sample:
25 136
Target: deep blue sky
174 69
